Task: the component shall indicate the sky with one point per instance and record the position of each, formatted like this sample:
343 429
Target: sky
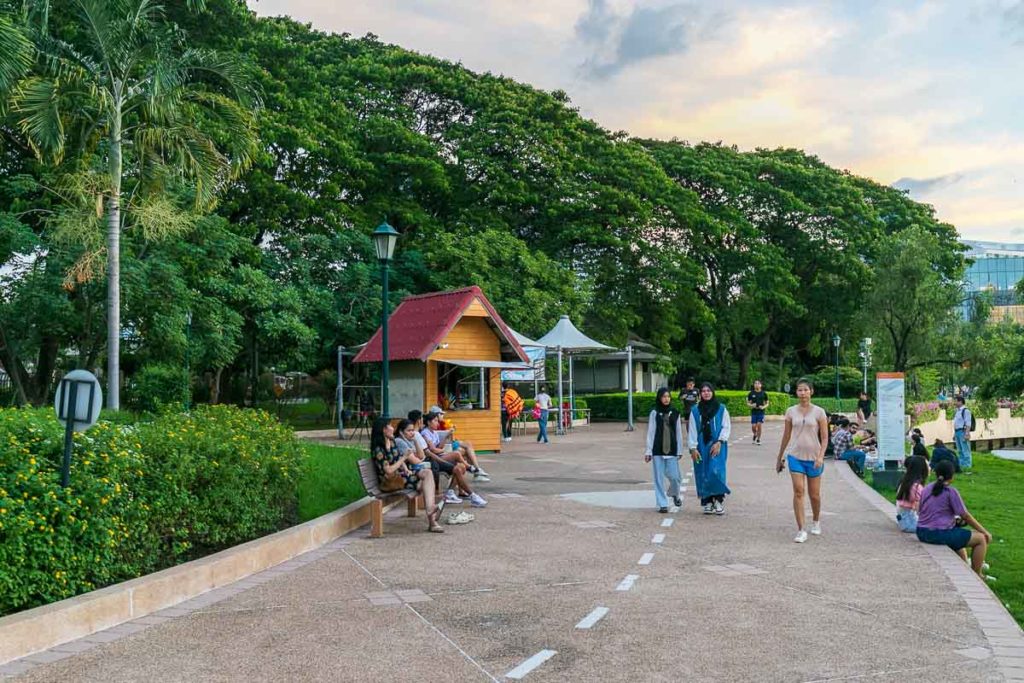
925 95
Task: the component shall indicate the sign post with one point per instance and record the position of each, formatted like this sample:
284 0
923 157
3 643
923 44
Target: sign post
891 418
77 404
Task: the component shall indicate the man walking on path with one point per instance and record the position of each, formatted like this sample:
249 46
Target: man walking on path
542 403
689 397
962 420
758 401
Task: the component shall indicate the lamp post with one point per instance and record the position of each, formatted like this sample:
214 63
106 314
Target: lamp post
384 238
835 343
865 359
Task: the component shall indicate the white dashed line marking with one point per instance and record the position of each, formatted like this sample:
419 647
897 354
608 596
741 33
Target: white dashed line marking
646 558
667 522
592 618
530 664
627 582
658 538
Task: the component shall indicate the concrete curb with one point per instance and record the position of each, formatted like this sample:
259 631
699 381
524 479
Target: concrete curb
1001 630
41 628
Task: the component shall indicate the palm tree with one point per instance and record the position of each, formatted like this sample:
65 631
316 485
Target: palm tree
126 83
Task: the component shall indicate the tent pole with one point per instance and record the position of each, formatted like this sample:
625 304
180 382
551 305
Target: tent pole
572 405
559 429
629 387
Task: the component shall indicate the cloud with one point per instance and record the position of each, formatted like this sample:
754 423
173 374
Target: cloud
619 40
923 186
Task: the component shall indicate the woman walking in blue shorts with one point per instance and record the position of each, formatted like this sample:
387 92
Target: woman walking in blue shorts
804 440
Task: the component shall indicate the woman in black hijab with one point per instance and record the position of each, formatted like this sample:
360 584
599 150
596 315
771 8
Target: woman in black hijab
664 448
710 427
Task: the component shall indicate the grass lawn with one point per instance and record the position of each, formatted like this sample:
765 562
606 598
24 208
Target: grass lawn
330 480
993 494
313 414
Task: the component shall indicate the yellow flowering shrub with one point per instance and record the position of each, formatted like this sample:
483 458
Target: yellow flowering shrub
142 497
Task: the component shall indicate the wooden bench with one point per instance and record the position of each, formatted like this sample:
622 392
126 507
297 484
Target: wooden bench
372 484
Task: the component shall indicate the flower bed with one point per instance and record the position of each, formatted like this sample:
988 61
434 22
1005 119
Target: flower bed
142 497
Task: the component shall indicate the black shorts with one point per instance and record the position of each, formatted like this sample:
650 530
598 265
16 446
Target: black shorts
442 466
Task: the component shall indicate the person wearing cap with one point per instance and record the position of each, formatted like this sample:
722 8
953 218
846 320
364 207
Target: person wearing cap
435 451
464 448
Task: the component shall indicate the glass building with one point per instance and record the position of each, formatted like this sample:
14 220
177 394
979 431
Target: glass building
996 268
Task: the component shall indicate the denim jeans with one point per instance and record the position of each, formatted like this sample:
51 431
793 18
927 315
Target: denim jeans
963 448
542 422
856 457
665 466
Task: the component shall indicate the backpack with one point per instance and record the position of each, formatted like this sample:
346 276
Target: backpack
974 423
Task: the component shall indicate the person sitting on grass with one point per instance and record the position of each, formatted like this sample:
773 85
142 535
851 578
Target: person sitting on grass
941 514
842 445
941 452
463 448
919 448
908 493
435 451
395 465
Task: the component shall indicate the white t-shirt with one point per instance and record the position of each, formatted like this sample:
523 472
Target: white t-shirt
543 401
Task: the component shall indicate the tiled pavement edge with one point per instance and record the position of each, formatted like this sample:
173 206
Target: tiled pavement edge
1005 637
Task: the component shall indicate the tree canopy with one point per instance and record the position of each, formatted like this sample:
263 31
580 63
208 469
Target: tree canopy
731 262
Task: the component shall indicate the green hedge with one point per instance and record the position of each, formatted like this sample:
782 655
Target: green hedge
528 404
142 497
614 406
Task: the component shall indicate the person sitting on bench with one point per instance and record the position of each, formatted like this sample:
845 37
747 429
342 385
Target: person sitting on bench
436 452
395 464
464 448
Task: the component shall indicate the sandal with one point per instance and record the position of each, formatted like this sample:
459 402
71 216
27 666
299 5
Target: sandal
432 525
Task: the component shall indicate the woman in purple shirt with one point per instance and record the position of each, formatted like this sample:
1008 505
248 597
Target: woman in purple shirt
940 515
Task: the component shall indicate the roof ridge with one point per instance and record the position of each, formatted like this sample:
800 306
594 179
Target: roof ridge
462 290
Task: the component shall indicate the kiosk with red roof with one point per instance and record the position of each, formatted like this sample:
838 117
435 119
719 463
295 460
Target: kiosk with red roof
448 349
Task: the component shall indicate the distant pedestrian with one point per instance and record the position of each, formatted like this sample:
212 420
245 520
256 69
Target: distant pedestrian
940 453
542 404
689 396
962 419
757 399
804 440
863 407
708 439
664 448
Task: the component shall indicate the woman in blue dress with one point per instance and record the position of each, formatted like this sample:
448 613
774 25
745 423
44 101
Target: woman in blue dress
709 432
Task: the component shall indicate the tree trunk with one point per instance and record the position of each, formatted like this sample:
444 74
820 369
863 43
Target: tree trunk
12 366
215 388
45 365
114 262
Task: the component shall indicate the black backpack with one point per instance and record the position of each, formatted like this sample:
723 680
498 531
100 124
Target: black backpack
974 423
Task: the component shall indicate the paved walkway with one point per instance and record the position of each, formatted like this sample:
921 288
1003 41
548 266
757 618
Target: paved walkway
586 587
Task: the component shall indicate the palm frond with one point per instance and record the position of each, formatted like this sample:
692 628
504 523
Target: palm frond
16 54
237 127
36 103
232 73
191 154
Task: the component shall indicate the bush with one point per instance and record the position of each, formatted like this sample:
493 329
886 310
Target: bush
141 498
158 387
615 406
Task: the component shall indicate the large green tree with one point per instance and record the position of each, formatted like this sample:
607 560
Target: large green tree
114 73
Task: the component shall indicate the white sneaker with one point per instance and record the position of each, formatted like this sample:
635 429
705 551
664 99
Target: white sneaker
481 476
709 509
480 470
459 518
816 528
451 497
476 501
801 536
717 506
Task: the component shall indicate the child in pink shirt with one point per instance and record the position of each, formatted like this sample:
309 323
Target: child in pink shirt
908 493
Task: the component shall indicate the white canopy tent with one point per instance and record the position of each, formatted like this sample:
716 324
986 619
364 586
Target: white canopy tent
566 338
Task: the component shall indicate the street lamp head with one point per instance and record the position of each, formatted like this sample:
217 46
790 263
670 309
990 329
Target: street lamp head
384 238
835 340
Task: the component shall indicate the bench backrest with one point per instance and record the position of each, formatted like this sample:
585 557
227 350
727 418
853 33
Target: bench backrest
369 475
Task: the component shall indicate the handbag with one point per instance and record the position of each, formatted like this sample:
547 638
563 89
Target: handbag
392 482
536 412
